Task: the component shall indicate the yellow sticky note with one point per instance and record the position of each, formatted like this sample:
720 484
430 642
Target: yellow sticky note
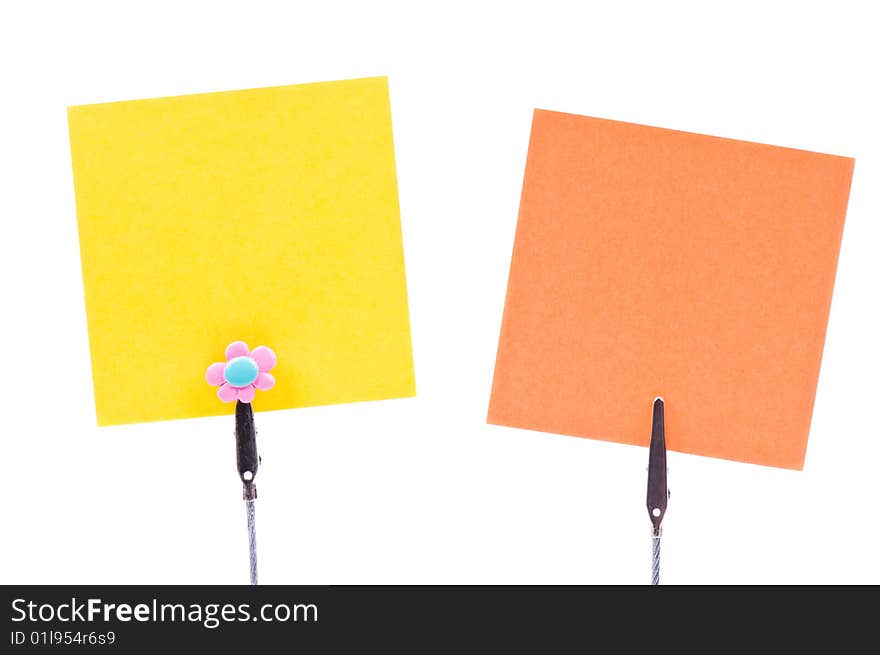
266 215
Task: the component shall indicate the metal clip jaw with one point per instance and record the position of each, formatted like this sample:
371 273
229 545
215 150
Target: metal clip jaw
246 448
658 493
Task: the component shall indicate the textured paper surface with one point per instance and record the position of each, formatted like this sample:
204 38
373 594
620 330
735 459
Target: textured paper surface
268 215
653 262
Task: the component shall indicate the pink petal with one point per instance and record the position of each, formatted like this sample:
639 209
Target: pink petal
236 349
264 357
227 393
214 374
246 394
264 381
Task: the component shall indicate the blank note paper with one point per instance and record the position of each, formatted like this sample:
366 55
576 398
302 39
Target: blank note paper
268 215
653 262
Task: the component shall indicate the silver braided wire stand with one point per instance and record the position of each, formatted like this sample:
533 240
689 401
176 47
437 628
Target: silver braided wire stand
658 492
655 560
248 461
252 538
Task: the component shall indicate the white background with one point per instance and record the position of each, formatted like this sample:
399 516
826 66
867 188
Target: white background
422 490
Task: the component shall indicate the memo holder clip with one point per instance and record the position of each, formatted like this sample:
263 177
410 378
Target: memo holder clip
658 492
238 379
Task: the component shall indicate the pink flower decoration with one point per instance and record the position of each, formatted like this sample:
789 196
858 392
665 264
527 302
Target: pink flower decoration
243 372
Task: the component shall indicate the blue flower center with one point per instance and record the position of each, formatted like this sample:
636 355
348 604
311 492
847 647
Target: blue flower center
241 371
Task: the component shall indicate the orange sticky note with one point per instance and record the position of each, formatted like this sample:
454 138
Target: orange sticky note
654 262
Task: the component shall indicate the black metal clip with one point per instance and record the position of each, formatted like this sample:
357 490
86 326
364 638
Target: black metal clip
246 448
658 493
